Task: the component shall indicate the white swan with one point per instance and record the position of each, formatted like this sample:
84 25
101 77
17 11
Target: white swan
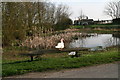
60 45
72 53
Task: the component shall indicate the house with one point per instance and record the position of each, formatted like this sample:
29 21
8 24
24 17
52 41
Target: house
84 22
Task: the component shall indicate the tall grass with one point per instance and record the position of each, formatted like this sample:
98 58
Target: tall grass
44 64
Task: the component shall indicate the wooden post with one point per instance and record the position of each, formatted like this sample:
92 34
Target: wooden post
76 55
31 58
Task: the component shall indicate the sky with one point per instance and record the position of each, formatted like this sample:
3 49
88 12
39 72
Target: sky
94 9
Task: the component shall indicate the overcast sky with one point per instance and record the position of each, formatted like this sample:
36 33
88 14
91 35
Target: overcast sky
94 9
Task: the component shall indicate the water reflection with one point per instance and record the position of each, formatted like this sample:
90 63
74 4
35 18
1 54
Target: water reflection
104 40
112 41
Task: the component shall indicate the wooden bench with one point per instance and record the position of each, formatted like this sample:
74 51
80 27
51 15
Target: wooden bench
41 52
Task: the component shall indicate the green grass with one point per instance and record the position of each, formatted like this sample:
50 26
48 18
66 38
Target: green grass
100 28
106 26
44 64
77 26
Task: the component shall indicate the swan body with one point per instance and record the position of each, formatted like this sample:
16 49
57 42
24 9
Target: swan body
72 53
60 45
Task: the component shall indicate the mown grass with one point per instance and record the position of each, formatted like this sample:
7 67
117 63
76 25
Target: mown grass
57 63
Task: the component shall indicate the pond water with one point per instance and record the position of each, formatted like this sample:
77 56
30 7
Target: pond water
104 40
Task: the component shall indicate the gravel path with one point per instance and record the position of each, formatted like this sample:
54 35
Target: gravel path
99 71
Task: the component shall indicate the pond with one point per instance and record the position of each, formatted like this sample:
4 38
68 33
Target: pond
104 40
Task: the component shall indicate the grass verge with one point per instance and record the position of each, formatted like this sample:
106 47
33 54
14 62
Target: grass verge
44 64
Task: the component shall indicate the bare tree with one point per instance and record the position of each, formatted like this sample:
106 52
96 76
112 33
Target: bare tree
62 17
113 9
82 16
27 19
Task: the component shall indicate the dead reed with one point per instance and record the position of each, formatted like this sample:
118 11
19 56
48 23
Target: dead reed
49 42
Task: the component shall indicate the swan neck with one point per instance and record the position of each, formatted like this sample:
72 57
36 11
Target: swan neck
61 41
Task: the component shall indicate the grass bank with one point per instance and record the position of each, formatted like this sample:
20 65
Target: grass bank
101 28
105 26
59 62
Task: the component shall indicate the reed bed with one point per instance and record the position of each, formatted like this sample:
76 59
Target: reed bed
49 42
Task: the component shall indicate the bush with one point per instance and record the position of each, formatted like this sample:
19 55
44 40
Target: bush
12 37
64 23
116 21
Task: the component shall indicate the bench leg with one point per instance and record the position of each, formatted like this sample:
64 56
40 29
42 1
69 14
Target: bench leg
76 55
31 58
